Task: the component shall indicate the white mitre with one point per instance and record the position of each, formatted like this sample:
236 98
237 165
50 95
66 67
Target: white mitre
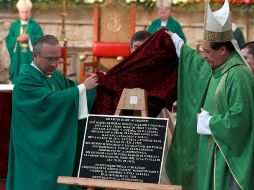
24 4
218 26
163 3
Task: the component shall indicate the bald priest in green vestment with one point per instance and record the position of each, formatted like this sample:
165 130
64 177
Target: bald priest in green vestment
165 20
213 144
23 32
46 108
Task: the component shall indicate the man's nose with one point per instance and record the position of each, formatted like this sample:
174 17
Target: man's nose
54 63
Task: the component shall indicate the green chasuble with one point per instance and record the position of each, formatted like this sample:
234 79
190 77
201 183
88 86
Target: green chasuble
18 55
91 95
229 151
172 25
193 78
200 162
44 130
239 37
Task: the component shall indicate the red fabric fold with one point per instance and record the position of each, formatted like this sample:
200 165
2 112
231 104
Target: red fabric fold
153 67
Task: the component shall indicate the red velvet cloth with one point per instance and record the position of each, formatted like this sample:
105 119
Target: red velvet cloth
5 124
153 67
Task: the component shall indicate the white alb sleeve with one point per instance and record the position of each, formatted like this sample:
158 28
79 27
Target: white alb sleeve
82 110
178 42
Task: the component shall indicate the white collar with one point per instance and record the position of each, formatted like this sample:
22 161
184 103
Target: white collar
35 66
23 22
164 23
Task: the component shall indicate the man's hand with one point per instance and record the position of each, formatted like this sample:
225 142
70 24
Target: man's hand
91 81
169 32
23 38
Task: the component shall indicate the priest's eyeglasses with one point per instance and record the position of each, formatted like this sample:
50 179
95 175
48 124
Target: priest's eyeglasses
53 59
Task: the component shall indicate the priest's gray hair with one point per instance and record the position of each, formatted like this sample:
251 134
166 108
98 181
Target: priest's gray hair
47 39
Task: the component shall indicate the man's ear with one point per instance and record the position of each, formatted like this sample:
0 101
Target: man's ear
35 54
223 50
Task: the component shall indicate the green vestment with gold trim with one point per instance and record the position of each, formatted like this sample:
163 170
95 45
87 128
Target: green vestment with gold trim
200 162
229 151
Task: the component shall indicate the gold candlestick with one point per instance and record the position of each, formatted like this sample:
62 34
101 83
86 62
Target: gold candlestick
23 45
